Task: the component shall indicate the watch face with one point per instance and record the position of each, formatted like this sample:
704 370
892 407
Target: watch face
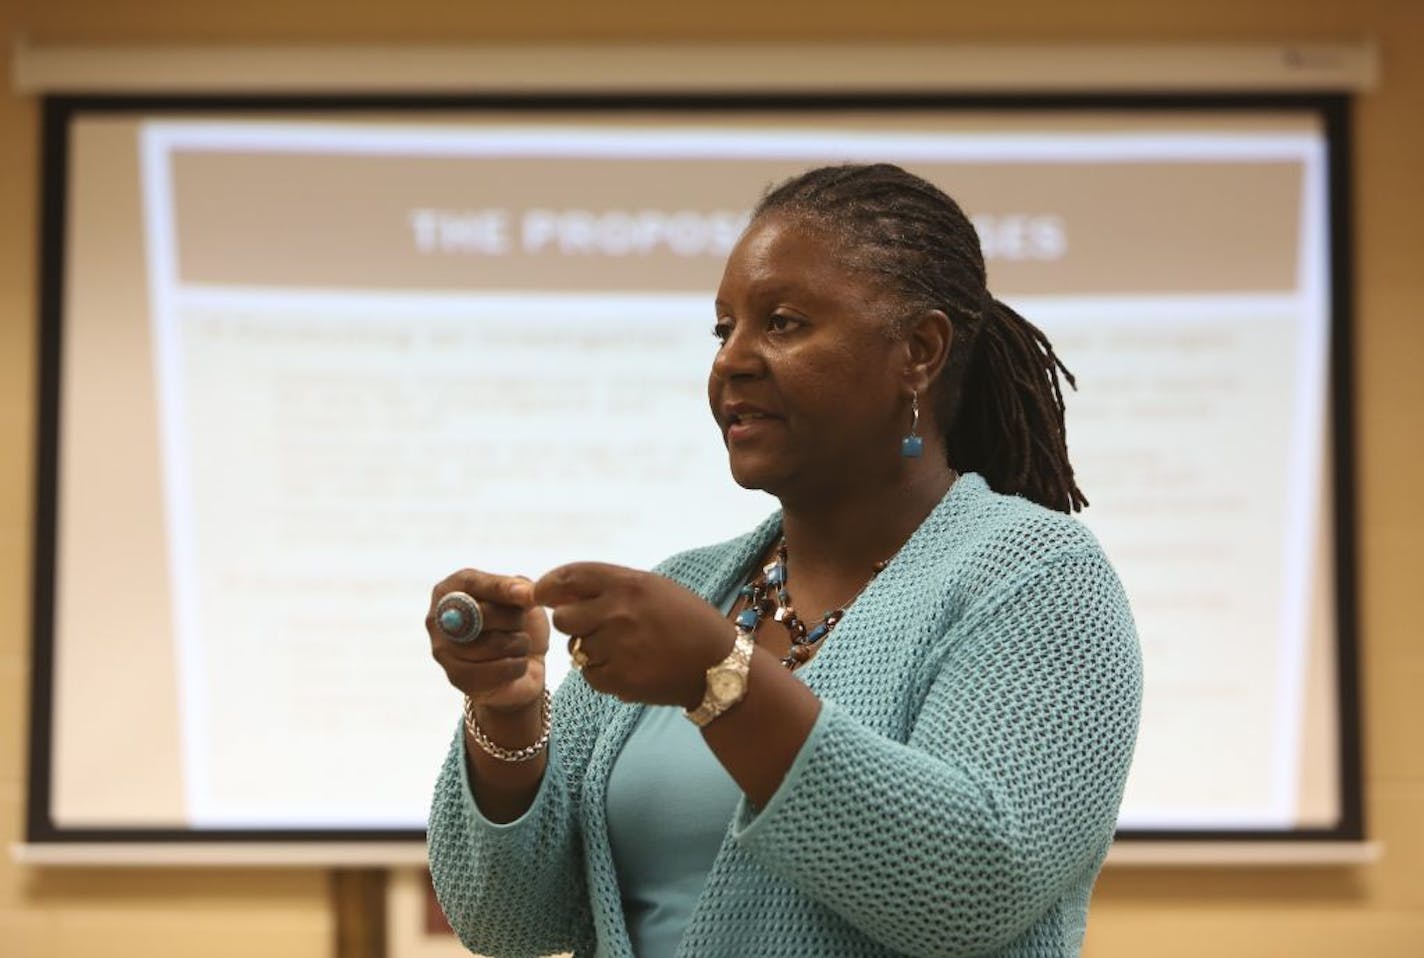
725 685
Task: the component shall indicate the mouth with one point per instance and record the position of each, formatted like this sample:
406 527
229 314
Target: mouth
745 422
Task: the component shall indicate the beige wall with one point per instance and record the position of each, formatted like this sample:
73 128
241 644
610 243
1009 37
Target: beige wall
1371 912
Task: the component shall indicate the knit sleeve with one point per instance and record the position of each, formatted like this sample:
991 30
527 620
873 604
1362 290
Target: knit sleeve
1004 796
517 888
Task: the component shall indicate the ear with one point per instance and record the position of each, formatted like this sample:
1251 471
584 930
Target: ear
928 339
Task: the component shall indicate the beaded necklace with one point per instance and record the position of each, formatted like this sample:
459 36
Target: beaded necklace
766 595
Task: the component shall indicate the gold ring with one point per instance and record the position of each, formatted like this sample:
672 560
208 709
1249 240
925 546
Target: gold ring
576 652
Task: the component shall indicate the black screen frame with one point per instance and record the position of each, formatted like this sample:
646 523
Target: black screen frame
59 111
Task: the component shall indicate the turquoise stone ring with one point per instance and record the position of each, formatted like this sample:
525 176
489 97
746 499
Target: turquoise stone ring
459 617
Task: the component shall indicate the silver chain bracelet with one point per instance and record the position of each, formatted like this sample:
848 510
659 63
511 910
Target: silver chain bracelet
507 754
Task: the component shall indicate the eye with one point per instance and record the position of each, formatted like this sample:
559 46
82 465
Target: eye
781 323
721 331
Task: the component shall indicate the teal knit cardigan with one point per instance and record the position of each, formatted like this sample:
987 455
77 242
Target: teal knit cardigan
956 795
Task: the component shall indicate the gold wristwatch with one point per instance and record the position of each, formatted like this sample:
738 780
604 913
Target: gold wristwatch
726 682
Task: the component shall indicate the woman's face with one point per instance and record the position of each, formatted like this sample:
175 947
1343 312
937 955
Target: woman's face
807 388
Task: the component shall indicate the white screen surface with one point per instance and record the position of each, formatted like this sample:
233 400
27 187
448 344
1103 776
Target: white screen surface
312 366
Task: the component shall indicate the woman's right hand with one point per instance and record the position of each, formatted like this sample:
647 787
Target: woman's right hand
502 670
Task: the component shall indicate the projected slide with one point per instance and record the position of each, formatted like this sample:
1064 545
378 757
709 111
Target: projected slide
363 354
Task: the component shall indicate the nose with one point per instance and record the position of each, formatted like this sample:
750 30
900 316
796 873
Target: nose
740 356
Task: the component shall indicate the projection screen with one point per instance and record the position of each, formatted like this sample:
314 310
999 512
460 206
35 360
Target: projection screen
301 361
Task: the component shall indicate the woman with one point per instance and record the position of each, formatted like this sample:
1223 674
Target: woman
934 767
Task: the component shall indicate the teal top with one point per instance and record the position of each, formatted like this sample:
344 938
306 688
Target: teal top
669 804
956 796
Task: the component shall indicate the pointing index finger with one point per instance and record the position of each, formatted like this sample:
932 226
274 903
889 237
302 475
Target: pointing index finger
576 580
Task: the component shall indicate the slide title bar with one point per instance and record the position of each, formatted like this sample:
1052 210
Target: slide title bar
837 68
268 206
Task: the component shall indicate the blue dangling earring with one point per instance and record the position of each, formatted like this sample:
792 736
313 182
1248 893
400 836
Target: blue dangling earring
912 445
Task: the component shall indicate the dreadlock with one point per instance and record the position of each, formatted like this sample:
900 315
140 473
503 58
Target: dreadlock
998 400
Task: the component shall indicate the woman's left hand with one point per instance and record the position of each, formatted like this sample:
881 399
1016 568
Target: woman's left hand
647 638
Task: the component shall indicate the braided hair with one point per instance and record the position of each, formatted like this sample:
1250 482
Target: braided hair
998 399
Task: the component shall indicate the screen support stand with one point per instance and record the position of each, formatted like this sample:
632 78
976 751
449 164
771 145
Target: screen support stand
359 904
